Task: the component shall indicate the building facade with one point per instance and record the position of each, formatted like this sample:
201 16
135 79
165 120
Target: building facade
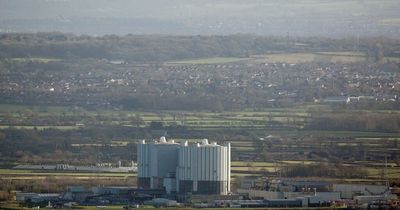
201 168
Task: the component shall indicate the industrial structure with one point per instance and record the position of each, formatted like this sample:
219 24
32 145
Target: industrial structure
200 168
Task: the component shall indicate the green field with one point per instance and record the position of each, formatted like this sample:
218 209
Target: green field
259 167
331 57
216 60
291 121
15 173
36 59
392 59
61 127
391 21
189 119
303 57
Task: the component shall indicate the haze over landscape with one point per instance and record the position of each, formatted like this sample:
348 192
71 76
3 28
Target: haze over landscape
329 18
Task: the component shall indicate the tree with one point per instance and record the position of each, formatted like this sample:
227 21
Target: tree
156 125
2 136
137 120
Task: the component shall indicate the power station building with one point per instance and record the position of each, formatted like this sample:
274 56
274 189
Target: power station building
201 168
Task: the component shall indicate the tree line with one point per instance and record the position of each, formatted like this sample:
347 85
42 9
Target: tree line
377 122
159 48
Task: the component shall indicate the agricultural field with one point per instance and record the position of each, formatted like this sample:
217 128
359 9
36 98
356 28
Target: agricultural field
260 168
13 173
392 59
38 127
317 57
57 181
270 121
390 21
215 60
293 58
15 109
36 59
190 119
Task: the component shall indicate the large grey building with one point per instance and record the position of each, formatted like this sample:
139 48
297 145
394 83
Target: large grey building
200 168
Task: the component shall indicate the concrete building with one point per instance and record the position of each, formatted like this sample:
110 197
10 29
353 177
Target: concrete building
248 182
201 168
36 197
204 168
161 202
348 191
261 194
156 161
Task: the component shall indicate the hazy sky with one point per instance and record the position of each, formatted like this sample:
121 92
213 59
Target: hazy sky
265 17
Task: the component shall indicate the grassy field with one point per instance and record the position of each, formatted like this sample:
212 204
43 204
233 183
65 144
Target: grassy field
216 60
43 109
32 174
391 21
391 172
392 59
14 174
259 167
334 57
239 167
291 120
61 127
114 207
189 119
36 59
256 164
294 58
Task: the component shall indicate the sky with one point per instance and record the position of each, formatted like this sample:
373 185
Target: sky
328 18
